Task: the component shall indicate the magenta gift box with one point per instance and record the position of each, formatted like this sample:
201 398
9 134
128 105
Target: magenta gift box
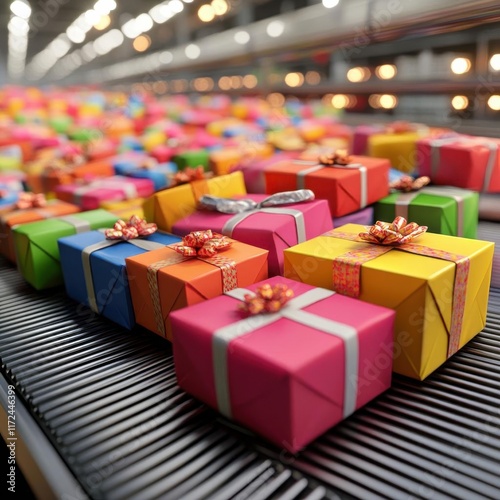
293 378
361 135
90 196
364 217
272 230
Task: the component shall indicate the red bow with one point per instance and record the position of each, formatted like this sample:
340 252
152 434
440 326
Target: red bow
407 183
393 233
189 174
30 200
267 299
338 157
202 244
134 228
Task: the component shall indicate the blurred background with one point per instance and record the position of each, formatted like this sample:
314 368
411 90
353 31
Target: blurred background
435 61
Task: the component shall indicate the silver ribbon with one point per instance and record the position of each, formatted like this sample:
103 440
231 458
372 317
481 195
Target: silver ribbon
128 187
87 270
293 311
405 199
301 176
80 225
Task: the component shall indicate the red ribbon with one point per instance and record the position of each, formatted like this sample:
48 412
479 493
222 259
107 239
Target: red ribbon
134 228
202 244
30 200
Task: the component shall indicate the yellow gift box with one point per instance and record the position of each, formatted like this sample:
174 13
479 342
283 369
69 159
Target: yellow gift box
399 148
125 209
421 289
168 206
222 161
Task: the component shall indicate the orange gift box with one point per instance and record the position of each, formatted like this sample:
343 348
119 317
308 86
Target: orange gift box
10 218
223 161
186 283
347 188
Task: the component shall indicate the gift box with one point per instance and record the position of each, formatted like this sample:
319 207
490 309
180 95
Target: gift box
89 196
10 217
125 209
364 217
163 280
223 161
11 157
444 210
273 228
477 158
162 174
36 244
95 275
126 162
291 375
7 197
439 292
166 207
348 187
12 180
192 158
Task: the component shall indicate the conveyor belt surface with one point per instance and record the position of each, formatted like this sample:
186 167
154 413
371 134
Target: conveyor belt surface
108 401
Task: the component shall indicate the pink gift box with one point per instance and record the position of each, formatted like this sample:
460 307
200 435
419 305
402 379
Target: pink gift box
293 378
361 135
273 230
117 188
463 161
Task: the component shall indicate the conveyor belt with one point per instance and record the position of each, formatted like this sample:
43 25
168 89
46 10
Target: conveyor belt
107 400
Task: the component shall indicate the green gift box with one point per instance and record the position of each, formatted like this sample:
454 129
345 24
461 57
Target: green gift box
193 158
36 244
443 209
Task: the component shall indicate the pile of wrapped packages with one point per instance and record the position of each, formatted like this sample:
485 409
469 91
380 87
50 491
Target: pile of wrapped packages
293 261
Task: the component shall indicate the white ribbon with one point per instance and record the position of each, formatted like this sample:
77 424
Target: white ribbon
80 225
293 311
87 269
301 177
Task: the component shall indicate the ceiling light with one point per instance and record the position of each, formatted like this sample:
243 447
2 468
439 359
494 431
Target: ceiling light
242 37
386 71
21 9
75 34
166 57
92 17
494 102
250 81
176 6
460 65
340 101
206 13
329 4
143 22
161 13
192 51
495 62
130 29
275 28
358 74
60 46
18 25
313 77
142 43
103 23
104 7
294 79
220 7
460 102
388 101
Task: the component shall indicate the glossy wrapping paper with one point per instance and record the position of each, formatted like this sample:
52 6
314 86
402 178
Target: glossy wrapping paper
420 288
108 272
287 381
173 285
342 187
273 230
11 218
166 207
465 162
36 244
223 161
125 209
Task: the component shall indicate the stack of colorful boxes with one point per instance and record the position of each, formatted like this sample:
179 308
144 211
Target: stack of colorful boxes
279 321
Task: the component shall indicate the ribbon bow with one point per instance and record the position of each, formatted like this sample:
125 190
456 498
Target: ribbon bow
267 299
189 174
397 232
134 228
400 127
202 244
234 206
30 200
408 183
338 157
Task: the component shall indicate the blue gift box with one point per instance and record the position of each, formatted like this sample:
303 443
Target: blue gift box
161 174
9 197
126 162
108 276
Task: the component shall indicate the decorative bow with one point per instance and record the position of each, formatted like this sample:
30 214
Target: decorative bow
397 232
400 127
408 183
30 200
235 206
189 174
202 244
134 228
267 299
338 157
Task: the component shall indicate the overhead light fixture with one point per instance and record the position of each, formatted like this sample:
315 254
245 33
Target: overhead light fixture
220 7
206 13
358 74
460 65
460 102
388 101
294 79
20 8
494 102
192 51
103 23
242 37
166 57
329 4
142 43
495 62
386 71
75 34
275 28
